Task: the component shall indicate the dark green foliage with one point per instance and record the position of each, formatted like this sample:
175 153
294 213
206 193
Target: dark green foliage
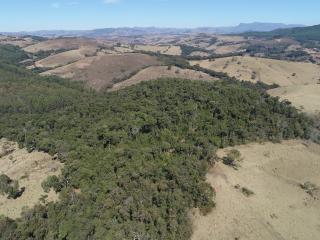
302 34
214 56
188 49
278 51
7 228
299 33
247 192
232 157
139 156
9 187
36 38
43 54
52 182
11 54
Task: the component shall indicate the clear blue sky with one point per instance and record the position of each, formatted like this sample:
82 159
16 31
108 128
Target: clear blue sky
17 15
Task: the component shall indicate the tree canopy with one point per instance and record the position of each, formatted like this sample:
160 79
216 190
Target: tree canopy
136 159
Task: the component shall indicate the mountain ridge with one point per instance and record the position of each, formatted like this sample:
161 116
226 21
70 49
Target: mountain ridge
133 31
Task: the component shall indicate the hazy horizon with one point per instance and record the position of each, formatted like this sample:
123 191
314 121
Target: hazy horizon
32 15
120 27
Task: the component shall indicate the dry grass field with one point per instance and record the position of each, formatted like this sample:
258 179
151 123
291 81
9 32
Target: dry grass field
199 53
104 70
304 97
156 72
61 43
65 58
279 208
269 71
30 169
169 50
16 41
225 49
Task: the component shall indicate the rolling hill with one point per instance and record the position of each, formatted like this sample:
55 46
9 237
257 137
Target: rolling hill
138 31
301 34
135 160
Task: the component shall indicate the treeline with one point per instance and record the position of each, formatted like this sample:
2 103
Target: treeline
184 64
136 159
11 54
279 51
301 34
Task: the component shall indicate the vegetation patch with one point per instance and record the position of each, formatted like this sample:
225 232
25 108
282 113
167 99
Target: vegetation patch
10 187
139 155
246 191
232 158
309 188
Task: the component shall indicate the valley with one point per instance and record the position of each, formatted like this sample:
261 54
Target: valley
161 135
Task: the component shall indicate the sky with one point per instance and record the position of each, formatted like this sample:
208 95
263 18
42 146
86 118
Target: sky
28 15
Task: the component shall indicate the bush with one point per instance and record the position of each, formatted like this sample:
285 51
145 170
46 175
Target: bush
52 182
232 157
9 187
247 192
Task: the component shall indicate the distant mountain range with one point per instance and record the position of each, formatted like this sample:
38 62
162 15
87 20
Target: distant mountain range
125 31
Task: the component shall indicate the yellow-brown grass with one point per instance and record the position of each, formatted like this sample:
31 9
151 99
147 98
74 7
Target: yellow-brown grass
304 97
61 43
279 208
156 72
269 71
104 70
30 169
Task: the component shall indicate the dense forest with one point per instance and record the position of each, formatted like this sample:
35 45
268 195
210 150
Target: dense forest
302 34
136 159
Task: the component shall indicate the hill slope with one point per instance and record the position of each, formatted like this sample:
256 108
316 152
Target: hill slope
136 159
283 73
279 208
299 33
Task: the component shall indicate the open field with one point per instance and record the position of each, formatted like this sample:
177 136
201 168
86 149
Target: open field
169 50
304 97
16 41
279 208
224 49
61 43
156 72
30 169
283 73
104 70
65 58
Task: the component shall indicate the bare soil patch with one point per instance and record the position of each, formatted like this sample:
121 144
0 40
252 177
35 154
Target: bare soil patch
104 70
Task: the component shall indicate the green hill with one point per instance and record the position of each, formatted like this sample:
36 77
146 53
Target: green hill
137 157
301 34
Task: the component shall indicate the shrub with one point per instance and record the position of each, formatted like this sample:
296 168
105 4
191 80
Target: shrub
247 192
309 188
232 157
10 187
52 182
